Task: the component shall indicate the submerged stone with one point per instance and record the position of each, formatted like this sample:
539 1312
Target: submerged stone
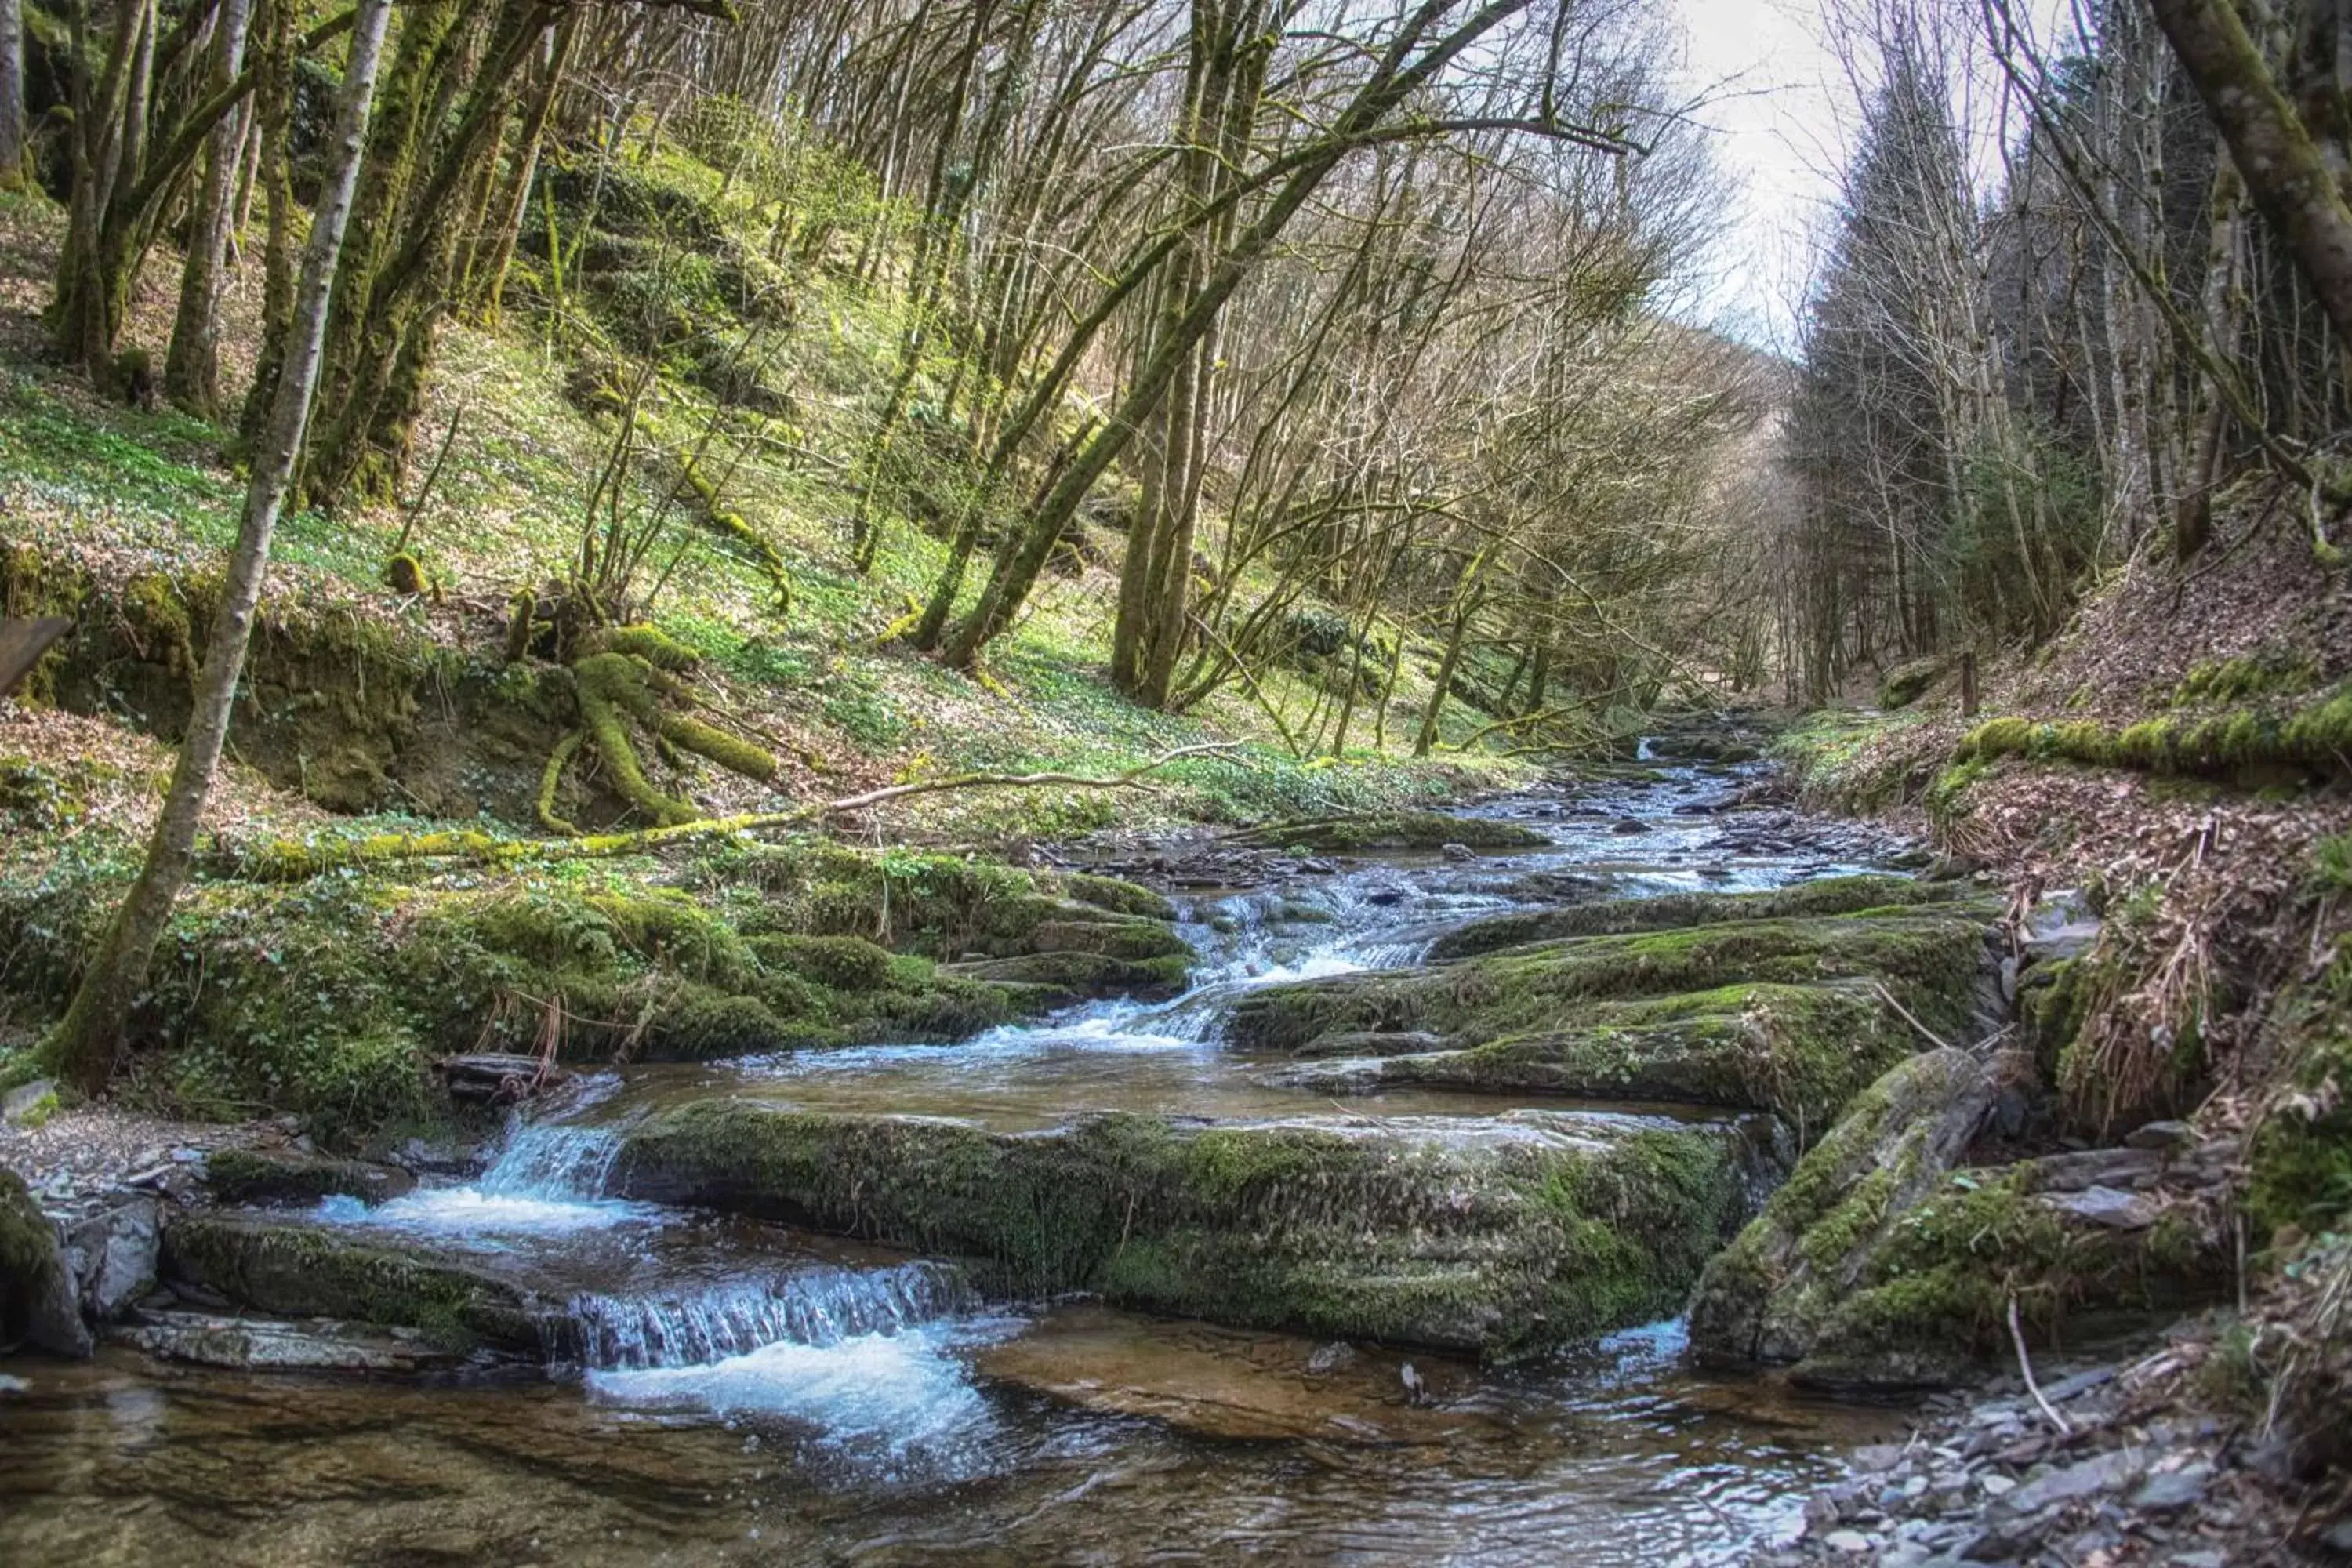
1239 1385
1495 1237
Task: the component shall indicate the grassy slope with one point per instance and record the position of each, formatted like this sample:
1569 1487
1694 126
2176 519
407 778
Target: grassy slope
128 488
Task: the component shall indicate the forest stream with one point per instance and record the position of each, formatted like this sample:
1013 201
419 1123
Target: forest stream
735 1391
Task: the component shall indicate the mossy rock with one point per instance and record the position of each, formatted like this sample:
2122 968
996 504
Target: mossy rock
2301 1153
329 997
293 1269
1801 1052
263 1177
36 1291
1499 1237
1079 974
1397 830
1909 681
1883 1262
1611 917
1927 958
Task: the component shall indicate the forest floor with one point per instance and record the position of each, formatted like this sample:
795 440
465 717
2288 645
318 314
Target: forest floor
2213 993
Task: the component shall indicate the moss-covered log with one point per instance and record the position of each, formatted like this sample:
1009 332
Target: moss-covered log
1497 1237
2313 737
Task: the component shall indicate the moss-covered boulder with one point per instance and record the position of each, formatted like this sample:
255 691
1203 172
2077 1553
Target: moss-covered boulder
1671 912
289 1176
1801 1052
295 1270
1909 681
1885 1262
1388 830
1497 1238
1928 959
37 1289
1767 1296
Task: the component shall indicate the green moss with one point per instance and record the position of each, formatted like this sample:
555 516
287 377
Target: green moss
1499 1246
2315 738
1907 682
294 1270
1799 1051
1606 917
1120 898
2237 679
2301 1149
649 643
1928 958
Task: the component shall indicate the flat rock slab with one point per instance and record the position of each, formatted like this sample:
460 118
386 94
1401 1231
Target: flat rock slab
290 1269
1496 1236
1238 1385
265 1344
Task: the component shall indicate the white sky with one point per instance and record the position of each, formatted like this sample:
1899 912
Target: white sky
1781 110
1775 111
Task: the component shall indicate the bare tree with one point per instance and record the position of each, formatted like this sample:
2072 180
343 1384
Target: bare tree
85 1041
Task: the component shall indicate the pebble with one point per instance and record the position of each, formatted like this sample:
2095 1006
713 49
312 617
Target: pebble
1996 1485
14 1384
2173 1489
1851 1541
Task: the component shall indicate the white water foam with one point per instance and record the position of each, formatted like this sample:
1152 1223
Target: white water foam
816 1307
888 1400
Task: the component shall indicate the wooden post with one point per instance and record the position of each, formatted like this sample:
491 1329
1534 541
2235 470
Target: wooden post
1969 685
22 644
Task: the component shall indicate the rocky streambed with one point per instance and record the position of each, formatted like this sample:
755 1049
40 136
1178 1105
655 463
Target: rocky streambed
1373 1241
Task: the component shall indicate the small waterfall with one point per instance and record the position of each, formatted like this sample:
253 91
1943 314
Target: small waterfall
818 1307
554 1160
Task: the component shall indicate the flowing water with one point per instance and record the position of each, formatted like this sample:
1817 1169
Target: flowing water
726 1391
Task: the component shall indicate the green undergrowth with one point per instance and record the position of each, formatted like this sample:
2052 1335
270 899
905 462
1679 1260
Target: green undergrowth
329 997
2302 1148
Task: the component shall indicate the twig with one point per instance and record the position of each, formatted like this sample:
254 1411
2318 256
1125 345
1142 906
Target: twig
1887 997
2025 1365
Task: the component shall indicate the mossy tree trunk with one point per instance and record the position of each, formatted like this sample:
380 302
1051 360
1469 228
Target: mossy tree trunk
84 1044
2288 174
191 367
12 93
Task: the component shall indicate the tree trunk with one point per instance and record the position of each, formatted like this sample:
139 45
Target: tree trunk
2286 175
12 94
84 1044
191 368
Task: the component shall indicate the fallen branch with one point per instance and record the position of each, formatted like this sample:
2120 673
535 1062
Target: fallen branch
289 860
2025 1365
